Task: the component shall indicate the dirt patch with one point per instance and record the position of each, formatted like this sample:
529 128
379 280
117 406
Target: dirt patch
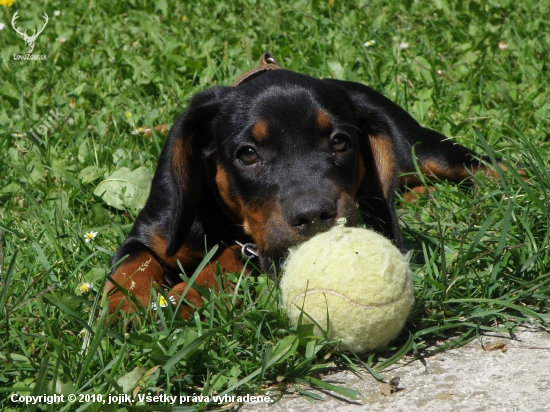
513 376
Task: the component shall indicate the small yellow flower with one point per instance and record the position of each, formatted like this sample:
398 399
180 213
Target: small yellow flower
6 3
163 302
88 237
128 114
185 19
143 131
85 288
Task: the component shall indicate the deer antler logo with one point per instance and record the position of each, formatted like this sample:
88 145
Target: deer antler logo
29 40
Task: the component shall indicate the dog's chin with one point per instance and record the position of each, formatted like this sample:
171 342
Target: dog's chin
272 263
272 260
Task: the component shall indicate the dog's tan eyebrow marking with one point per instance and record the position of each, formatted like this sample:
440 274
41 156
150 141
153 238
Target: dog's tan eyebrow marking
259 130
323 120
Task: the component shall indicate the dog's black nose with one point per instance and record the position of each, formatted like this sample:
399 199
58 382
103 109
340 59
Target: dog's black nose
311 215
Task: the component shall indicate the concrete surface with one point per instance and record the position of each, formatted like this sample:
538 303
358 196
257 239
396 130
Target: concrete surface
465 379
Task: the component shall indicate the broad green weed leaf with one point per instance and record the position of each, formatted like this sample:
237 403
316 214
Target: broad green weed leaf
132 378
125 188
95 275
336 69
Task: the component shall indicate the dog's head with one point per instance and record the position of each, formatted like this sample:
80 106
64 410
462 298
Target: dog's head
286 156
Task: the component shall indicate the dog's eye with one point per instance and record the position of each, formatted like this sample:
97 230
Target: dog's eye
248 156
339 142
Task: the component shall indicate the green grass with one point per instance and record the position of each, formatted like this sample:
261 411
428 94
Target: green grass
480 254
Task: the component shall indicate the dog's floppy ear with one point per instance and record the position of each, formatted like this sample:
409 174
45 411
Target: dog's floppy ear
180 179
376 194
379 121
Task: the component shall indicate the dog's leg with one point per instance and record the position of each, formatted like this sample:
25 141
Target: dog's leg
137 274
229 261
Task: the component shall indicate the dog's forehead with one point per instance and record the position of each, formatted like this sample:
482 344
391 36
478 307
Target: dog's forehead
291 86
285 103
288 99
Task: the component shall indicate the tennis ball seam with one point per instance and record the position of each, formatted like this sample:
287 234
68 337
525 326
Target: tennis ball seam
406 286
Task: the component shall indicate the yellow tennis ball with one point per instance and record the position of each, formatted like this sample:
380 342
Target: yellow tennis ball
355 275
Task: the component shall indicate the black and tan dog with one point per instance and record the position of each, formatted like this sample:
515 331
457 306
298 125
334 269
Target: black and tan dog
273 160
